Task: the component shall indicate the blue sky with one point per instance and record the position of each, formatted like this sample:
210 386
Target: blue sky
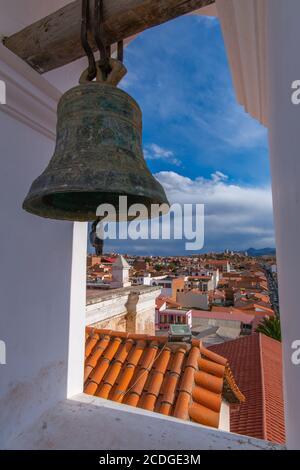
198 142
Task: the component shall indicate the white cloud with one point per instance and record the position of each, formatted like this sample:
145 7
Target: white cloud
219 176
234 214
237 217
207 21
155 152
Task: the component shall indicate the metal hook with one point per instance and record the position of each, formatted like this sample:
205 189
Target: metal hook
85 23
96 27
120 53
98 33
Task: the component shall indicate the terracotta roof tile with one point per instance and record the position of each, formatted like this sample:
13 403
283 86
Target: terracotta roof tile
90 343
192 359
136 352
123 383
211 367
206 398
111 350
209 381
103 391
256 363
175 379
148 402
149 356
188 380
155 384
204 415
124 351
170 388
177 361
132 399
165 409
87 370
97 351
112 373
182 407
99 371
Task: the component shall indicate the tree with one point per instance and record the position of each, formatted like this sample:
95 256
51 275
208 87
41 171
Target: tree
172 267
270 327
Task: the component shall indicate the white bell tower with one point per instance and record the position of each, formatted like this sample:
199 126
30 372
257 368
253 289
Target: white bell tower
120 273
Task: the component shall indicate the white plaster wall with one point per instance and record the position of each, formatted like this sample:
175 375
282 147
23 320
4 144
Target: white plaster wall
284 118
77 314
190 319
224 423
165 291
146 281
41 287
138 304
274 268
145 312
75 423
216 278
106 309
243 27
261 38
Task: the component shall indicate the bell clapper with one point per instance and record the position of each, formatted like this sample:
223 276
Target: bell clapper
96 241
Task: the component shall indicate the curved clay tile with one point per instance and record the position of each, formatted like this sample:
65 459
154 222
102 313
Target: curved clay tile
203 415
209 381
186 381
206 398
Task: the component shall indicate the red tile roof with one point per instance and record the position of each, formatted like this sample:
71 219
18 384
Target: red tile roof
217 261
200 278
224 315
256 306
159 302
175 379
171 302
256 363
108 260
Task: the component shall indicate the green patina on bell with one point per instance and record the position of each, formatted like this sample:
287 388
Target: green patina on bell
98 156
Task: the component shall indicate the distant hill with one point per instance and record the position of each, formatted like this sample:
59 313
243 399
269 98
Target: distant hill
261 252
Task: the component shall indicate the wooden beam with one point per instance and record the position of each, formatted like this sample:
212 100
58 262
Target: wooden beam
54 41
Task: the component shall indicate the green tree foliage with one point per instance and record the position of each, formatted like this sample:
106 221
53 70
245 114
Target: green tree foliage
270 327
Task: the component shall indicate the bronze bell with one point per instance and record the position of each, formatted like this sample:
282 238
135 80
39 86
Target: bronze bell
98 154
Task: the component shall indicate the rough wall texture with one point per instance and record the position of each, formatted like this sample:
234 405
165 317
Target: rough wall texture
130 309
118 323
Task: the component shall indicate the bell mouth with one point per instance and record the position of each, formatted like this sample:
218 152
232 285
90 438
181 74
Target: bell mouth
82 206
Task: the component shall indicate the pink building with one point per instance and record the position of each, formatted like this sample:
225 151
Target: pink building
168 317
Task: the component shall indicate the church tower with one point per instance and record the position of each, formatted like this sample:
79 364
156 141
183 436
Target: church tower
120 273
